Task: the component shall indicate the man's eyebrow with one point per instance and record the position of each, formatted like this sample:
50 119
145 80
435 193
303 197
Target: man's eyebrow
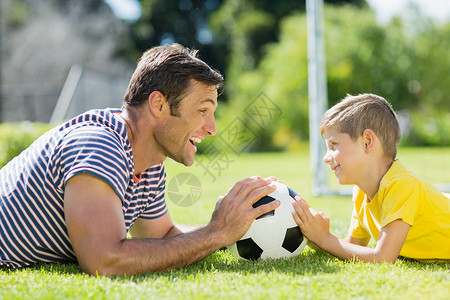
209 100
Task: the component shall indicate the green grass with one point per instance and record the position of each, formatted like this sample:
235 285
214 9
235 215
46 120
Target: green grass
312 275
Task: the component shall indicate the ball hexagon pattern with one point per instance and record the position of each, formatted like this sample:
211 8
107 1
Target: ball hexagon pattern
274 234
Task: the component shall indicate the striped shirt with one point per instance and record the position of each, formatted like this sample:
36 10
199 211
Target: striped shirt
32 225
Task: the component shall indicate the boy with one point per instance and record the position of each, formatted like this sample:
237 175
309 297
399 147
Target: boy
405 214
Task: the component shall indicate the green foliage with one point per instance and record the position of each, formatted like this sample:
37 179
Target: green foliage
17 15
215 27
243 28
184 22
16 137
428 131
392 60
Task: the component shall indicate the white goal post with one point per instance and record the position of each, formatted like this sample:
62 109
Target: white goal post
317 93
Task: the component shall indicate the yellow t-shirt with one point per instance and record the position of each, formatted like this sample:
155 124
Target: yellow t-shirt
404 196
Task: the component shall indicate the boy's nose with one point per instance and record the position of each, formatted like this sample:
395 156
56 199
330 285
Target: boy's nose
327 158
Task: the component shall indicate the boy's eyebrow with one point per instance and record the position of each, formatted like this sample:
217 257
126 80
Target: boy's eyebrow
330 140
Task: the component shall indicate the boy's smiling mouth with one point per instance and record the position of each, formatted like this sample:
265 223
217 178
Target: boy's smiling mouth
335 168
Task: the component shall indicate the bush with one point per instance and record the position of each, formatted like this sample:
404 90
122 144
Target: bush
424 130
16 137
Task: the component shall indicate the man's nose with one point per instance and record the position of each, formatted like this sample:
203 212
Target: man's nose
210 126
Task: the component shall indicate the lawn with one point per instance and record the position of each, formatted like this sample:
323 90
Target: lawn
312 275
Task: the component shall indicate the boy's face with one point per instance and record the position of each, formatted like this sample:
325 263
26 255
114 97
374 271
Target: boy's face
345 156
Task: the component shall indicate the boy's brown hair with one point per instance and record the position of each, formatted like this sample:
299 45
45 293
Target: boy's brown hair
354 114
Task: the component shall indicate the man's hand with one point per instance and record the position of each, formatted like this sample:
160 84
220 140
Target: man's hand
234 213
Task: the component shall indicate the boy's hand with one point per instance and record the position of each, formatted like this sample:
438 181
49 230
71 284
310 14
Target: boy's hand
314 225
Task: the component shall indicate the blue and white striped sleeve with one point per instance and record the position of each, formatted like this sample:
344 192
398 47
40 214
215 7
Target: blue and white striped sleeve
97 151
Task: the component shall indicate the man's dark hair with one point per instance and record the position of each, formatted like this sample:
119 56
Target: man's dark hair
168 69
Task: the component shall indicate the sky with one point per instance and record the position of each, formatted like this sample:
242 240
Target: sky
385 9
125 9
437 9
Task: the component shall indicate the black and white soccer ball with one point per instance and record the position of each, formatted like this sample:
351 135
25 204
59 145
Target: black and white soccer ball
274 234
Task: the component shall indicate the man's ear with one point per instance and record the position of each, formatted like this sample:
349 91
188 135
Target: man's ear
369 137
157 103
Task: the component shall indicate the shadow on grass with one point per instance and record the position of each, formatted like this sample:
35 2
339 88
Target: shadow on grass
47 268
423 265
310 262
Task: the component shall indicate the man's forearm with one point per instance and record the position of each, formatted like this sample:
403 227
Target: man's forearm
98 232
137 256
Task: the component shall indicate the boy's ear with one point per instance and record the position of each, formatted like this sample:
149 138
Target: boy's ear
156 103
369 137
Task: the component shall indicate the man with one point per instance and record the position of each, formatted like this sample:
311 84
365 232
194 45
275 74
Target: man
75 192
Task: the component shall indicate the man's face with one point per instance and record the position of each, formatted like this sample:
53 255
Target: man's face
344 156
177 135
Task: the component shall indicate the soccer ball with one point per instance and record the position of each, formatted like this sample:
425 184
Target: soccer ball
274 234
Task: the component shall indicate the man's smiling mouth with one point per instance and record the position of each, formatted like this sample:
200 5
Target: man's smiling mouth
194 140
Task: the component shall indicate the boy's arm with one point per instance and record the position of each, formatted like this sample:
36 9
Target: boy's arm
316 228
361 242
389 244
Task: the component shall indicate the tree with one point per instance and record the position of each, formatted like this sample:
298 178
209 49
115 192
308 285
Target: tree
245 26
169 21
217 28
362 57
